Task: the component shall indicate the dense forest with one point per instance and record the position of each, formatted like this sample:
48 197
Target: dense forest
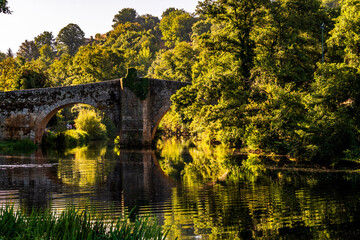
277 77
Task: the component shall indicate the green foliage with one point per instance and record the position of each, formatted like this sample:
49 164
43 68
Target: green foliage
331 3
90 122
20 146
174 64
8 74
96 63
171 125
65 139
70 38
345 37
139 86
124 16
45 38
28 50
4 8
74 224
30 76
176 27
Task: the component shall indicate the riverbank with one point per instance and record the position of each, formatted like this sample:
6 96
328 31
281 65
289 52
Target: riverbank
17 146
74 224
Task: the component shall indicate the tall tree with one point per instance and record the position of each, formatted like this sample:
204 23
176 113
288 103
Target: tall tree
70 38
45 38
148 21
288 42
125 15
9 53
28 50
235 20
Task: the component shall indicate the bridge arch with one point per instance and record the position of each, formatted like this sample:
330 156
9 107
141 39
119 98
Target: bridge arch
45 116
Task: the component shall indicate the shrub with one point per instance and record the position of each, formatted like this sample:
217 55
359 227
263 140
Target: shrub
90 122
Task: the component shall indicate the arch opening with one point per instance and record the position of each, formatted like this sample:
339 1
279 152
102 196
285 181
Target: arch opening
97 123
170 125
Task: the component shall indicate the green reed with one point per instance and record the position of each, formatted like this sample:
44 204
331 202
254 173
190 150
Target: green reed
74 224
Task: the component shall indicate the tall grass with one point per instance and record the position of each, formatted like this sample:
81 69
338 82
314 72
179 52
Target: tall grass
74 224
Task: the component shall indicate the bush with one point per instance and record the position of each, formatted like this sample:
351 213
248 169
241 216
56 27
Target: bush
67 139
90 122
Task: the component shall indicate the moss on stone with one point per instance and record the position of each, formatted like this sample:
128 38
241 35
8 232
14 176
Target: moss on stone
139 86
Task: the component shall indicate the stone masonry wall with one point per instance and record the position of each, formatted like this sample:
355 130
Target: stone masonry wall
25 114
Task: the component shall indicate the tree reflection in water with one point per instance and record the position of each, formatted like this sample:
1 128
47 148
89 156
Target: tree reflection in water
252 201
201 191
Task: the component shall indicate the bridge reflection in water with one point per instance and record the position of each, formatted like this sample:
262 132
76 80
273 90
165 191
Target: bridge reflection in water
112 183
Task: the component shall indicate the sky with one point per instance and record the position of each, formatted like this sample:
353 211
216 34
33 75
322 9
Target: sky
30 18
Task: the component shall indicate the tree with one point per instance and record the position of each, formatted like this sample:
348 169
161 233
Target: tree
9 53
30 76
148 21
8 73
45 38
4 8
2 56
176 27
235 20
125 15
94 63
174 64
46 52
345 37
28 50
70 38
90 122
287 42
172 9
331 3
61 70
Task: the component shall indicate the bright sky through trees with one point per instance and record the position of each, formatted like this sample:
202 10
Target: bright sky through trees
32 17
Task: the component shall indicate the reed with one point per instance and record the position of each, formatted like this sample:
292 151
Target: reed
74 224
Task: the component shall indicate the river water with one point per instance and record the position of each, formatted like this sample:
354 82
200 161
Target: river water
199 193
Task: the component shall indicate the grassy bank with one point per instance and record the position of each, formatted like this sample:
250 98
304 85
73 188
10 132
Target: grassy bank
74 224
19 147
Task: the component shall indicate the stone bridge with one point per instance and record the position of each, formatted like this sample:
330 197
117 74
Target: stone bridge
135 105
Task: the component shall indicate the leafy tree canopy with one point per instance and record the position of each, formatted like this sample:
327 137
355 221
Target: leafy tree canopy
70 38
28 50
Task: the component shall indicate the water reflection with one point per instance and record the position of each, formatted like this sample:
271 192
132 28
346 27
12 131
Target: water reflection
199 192
92 175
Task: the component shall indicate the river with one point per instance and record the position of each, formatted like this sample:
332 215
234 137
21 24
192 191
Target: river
199 193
